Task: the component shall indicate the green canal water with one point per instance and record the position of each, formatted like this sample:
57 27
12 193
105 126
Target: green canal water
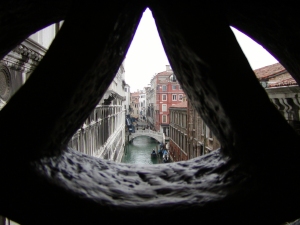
139 149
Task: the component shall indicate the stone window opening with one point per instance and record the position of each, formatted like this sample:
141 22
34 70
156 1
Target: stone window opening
228 191
174 97
180 97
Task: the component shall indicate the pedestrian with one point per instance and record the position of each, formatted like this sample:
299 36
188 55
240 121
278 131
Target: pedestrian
161 145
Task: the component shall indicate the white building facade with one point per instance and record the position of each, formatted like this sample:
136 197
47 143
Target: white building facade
103 133
151 102
142 104
105 125
17 66
127 99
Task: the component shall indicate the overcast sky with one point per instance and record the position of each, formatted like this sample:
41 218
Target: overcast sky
146 55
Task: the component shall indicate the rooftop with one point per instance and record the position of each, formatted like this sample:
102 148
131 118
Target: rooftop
180 105
273 71
270 70
165 73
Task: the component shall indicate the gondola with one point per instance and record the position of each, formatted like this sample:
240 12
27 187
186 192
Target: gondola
153 154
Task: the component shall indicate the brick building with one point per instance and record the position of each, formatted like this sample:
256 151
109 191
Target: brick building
134 104
178 142
168 94
189 135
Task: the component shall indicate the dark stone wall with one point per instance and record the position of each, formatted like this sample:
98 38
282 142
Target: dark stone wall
242 182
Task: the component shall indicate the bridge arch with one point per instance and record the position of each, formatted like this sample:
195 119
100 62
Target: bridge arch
159 136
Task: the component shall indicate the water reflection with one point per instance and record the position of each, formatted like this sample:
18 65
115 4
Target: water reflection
139 150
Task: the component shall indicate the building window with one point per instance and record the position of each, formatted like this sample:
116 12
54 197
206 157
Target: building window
174 87
164 88
164 107
164 118
164 97
180 97
174 97
173 78
209 133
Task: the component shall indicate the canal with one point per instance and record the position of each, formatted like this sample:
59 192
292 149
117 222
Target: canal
139 149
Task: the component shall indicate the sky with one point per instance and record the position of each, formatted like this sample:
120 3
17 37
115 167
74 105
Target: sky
146 56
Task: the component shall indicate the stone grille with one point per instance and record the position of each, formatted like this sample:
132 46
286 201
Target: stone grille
4 85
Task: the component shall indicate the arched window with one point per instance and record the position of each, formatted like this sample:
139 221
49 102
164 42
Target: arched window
173 78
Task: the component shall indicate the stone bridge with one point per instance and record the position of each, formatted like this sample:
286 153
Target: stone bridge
159 136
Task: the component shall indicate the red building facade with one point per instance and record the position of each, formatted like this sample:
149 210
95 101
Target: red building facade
168 94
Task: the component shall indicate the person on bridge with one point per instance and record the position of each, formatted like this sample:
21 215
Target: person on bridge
161 145
165 155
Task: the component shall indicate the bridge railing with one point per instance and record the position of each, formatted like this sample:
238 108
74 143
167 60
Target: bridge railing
156 135
148 131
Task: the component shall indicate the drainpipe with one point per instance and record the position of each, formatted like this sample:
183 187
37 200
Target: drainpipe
188 129
204 141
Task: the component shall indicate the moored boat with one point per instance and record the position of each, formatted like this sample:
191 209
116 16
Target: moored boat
153 154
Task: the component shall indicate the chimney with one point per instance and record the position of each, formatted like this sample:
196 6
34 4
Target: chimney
168 67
